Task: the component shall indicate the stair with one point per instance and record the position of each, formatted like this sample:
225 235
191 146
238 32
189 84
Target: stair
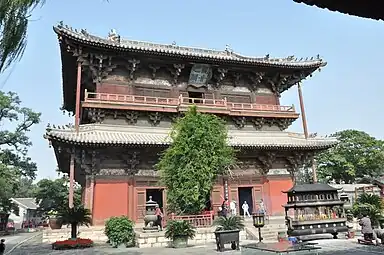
269 232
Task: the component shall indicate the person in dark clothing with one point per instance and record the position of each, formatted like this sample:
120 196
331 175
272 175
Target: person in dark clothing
2 246
224 209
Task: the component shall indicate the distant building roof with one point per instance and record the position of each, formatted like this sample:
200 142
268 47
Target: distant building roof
27 203
96 134
316 187
360 8
350 187
379 181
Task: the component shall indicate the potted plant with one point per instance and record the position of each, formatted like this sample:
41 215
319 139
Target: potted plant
228 231
179 231
55 222
75 216
119 231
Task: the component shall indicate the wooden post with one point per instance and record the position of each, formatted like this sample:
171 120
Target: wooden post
303 117
78 93
71 179
305 128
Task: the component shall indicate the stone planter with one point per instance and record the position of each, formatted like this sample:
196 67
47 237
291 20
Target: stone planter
55 223
180 242
226 237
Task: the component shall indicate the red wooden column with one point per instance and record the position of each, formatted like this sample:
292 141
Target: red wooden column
305 127
71 178
78 93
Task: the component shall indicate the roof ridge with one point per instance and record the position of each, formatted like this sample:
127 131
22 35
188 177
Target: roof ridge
115 40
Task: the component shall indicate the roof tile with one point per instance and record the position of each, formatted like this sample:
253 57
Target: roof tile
172 49
93 134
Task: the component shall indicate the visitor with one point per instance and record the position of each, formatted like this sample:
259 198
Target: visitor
366 227
232 206
159 216
224 209
2 246
245 208
262 207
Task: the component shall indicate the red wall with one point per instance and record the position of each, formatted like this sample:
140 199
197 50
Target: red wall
276 197
110 199
267 99
113 88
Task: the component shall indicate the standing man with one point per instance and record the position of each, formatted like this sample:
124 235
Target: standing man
245 208
232 206
262 207
2 246
159 217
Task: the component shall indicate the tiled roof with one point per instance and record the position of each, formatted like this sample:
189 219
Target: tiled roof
360 8
28 203
227 55
93 134
311 187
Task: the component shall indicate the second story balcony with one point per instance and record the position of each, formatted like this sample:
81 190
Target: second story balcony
181 104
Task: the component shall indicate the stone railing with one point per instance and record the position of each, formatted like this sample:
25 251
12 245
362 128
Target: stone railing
198 221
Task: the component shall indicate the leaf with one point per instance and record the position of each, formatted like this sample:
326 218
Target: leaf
356 157
198 154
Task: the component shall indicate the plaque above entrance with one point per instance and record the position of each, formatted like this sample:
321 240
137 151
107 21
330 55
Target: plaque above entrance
200 75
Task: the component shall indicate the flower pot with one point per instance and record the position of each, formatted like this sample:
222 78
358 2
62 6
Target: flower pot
180 242
55 223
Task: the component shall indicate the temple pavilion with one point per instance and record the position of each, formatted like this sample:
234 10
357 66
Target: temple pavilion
125 94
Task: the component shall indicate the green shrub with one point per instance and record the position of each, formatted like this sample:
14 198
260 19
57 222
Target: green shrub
371 205
229 223
119 230
179 228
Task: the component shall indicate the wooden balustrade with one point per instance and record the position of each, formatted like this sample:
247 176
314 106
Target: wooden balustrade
91 97
198 221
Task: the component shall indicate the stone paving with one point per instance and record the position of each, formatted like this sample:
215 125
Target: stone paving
329 247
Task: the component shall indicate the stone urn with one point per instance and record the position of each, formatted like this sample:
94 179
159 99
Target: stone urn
150 218
55 223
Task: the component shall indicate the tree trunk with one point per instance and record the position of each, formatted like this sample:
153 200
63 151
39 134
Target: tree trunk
74 230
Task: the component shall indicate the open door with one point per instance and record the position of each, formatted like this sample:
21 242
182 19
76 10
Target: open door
140 204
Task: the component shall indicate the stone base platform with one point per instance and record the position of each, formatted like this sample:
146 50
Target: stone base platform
157 239
143 240
95 233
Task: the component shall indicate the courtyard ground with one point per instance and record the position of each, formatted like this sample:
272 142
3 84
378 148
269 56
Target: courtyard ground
329 247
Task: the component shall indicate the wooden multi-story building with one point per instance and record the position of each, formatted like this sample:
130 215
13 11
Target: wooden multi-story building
125 95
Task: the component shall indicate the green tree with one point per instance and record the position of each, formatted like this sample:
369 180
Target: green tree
14 18
198 154
14 15
26 188
54 194
357 156
14 144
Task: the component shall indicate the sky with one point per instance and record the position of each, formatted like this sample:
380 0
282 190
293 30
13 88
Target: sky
346 94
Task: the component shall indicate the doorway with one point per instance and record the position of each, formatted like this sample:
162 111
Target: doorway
245 194
193 95
157 196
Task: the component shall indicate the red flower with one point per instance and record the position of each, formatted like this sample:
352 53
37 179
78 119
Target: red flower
72 244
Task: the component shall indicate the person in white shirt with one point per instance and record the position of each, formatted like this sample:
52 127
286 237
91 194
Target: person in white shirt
245 208
232 206
262 207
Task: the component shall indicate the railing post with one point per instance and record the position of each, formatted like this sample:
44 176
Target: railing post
85 95
180 99
172 216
